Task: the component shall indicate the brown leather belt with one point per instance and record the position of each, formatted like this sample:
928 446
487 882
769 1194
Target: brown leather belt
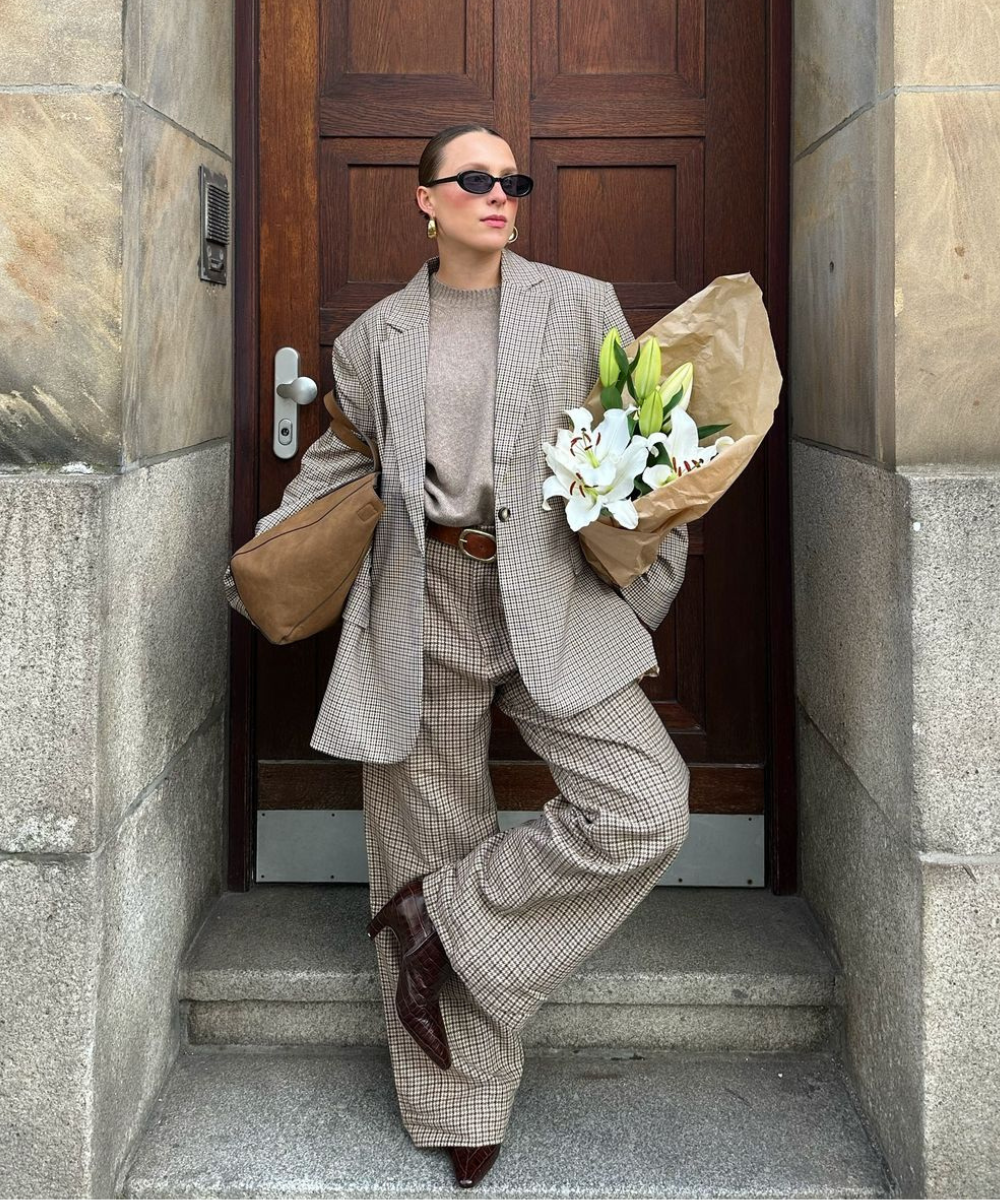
474 543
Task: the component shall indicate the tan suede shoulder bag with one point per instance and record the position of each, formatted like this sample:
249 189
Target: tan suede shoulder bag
294 578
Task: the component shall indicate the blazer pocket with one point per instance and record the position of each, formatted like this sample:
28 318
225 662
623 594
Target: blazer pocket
563 352
564 366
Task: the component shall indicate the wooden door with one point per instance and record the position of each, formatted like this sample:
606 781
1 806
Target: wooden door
644 124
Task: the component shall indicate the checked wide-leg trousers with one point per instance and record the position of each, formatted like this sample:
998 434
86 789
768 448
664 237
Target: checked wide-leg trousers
519 909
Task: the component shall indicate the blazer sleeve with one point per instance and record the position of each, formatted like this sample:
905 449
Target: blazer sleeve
328 462
650 594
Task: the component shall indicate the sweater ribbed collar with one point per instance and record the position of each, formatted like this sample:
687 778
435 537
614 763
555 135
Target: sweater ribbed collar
453 297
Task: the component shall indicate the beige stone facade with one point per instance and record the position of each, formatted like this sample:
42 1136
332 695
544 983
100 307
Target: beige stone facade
116 412
115 431
895 389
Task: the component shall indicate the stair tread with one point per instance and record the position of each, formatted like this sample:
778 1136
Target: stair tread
585 1123
680 945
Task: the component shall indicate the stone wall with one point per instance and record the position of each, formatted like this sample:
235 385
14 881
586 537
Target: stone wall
894 380
115 434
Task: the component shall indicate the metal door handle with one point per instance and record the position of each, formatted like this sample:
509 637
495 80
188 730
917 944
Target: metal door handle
291 390
302 390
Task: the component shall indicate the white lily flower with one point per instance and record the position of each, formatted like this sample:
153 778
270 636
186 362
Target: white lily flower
595 469
659 474
682 447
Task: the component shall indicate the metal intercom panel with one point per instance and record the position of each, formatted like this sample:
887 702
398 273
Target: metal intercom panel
214 225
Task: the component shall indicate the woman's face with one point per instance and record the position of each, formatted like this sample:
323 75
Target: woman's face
459 214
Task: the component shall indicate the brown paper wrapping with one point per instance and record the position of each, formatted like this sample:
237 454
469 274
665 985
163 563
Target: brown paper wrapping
724 331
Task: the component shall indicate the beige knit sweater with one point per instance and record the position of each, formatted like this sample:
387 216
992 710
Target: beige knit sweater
458 417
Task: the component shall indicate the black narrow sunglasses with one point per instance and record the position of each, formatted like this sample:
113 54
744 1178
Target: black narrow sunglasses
481 182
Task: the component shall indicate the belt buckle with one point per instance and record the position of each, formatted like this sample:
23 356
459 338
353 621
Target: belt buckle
482 533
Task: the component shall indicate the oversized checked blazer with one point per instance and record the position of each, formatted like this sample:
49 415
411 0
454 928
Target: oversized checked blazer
576 638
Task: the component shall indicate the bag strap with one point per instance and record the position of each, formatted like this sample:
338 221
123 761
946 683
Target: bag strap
348 433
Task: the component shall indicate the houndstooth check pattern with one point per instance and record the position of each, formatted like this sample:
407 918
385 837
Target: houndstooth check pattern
576 639
517 910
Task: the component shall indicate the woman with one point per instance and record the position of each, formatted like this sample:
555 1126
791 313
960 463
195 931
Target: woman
474 594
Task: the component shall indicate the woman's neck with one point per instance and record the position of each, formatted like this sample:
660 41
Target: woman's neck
476 274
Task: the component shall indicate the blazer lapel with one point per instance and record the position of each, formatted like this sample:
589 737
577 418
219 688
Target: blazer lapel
524 310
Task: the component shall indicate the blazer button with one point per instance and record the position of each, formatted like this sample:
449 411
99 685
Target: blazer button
503 513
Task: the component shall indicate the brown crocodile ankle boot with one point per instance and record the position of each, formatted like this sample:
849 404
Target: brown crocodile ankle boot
472 1162
423 969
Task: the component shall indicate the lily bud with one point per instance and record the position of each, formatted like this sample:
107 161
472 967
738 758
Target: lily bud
608 364
650 412
647 371
681 381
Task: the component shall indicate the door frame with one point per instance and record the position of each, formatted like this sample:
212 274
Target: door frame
780 806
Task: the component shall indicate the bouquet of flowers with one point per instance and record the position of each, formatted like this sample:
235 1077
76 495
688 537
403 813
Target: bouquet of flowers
640 470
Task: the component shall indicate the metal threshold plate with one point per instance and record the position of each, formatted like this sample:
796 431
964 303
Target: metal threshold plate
328 846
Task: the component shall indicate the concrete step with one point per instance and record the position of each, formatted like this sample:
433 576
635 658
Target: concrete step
586 1123
691 969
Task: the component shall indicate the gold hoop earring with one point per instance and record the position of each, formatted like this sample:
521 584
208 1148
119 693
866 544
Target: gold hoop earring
432 229
513 236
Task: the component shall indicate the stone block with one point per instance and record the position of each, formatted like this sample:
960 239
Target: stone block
833 67
954 534
832 326
961 912
179 60
61 41
947 150
116 646
61 278
852 619
166 642
884 322
179 329
50 612
864 885
91 945
939 45
99 296
50 917
158 875
885 45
